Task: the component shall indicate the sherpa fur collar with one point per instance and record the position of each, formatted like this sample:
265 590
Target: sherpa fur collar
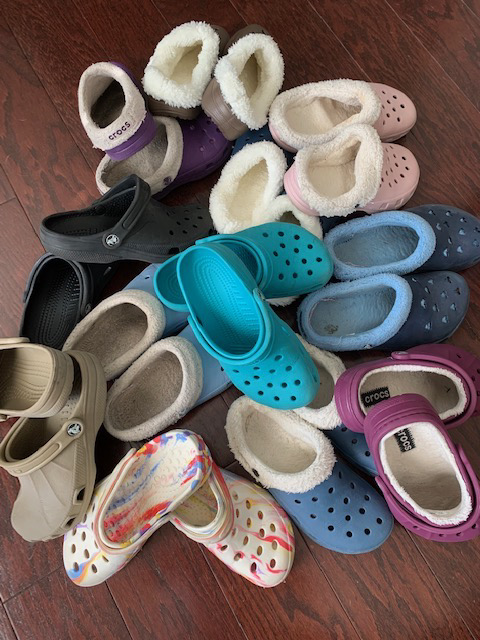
160 159
252 110
94 81
359 143
351 93
90 334
160 79
255 431
138 393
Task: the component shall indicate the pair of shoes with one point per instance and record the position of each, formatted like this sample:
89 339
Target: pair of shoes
398 313
60 398
173 479
405 406
288 453
222 283
341 165
161 375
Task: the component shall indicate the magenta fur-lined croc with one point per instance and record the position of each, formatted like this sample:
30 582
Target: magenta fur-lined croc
446 375
427 481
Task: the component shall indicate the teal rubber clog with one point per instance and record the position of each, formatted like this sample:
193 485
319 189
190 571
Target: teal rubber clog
284 259
232 321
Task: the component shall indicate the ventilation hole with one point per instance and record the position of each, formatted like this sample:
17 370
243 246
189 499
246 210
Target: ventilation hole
379 521
367 532
331 509
269 385
86 553
74 531
259 551
84 518
314 499
256 377
224 548
295 275
367 454
313 516
282 244
343 429
273 562
330 490
247 382
276 398
262 532
346 500
260 515
237 556
304 261
265 235
367 497
287 262
330 527
246 538
84 535
340 475
280 276
309 246
352 485
348 518
273 527
349 534
281 234
297 382
277 358
297 501
296 250
310 272
74 548
354 441
274 545
293 398
81 494
362 511
237 512
275 254
284 384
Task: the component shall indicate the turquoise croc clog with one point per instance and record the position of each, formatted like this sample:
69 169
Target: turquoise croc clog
283 258
232 321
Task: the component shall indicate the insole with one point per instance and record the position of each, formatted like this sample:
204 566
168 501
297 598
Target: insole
52 309
109 105
325 391
152 391
332 180
249 76
249 192
200 509
182 71
438 389
379 246
38 431
23 377
145 163
418 461
114 333
319 115
219 302
275 446
352 313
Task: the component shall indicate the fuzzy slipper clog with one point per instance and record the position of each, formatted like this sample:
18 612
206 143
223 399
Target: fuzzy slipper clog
58 294
351 171
113 110
53 457
284 260
124 224
446 375
119 330
428 482
249 192
246 80
172 377
231 320
385 311
180 152
314 113
133 502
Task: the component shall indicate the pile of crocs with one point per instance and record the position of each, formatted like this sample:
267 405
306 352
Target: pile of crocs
201 317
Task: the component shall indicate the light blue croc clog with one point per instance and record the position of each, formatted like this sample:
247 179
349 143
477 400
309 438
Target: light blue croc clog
343 513
232 321
283 258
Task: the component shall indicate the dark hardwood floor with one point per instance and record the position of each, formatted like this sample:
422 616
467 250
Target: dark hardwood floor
410 589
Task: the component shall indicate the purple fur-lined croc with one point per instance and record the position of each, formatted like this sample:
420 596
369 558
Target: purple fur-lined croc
446 375
113 110
427 481
181 151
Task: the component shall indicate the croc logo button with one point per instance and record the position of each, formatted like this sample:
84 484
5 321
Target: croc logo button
74 429
112 240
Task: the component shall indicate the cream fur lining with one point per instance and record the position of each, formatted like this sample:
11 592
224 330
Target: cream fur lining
278 448
314 113
182 64
250 76
322 411
158 163
119 330
427 476
156 391
442 388
103 110
343 174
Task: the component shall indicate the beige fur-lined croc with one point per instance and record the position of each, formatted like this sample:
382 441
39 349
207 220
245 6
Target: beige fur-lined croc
119 330
246 81
54 457
352 171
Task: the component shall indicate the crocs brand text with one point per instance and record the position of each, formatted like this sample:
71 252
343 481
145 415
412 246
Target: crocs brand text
120 131
369 398
405 440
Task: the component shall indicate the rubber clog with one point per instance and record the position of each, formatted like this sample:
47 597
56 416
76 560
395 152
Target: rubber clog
343 514
353 447
428 483
285 260
385 311
231 320
58 294
125 224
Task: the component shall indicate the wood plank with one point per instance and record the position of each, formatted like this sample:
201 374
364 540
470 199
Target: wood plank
19 248
6 629
449 32
59 45
42 162
6 191
223 14
473 5
168 591
55 608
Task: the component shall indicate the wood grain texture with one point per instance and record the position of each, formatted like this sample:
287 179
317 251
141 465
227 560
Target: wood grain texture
44 166
221 13
6 629
6 191
55 608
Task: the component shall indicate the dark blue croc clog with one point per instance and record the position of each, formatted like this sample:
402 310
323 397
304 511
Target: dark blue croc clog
250 137
343 513
385 311
353 446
